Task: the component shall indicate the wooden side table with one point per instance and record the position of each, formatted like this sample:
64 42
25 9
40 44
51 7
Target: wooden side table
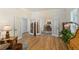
13 43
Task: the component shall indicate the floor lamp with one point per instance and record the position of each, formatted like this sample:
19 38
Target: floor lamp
7 28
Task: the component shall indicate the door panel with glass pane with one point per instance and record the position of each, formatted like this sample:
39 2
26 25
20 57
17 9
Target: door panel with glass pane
35 28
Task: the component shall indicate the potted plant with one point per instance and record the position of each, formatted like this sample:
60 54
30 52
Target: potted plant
66 35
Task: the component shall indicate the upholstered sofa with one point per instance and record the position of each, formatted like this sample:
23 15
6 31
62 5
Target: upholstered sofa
4 46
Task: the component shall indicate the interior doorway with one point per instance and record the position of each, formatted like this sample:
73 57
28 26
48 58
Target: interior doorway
35 28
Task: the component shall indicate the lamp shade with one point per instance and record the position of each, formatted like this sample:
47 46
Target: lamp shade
7 28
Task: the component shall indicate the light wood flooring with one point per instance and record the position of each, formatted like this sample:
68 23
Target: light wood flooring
44 42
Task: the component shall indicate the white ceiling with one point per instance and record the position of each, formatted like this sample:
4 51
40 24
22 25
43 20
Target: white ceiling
41 9
33 9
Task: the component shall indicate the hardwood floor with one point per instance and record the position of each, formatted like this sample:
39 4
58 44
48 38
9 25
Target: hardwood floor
44 42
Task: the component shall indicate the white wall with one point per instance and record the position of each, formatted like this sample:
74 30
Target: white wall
49 14
7 16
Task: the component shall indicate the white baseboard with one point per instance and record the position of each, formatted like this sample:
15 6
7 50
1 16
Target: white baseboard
55 35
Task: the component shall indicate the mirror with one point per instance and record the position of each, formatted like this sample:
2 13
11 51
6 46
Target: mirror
48 28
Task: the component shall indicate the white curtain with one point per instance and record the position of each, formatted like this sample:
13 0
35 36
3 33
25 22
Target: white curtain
55 26
74 19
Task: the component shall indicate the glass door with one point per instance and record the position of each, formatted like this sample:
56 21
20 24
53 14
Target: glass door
35 28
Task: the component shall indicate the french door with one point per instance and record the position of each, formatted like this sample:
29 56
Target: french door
35 28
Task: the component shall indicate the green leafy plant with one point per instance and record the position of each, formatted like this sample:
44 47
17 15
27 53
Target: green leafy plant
66 35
